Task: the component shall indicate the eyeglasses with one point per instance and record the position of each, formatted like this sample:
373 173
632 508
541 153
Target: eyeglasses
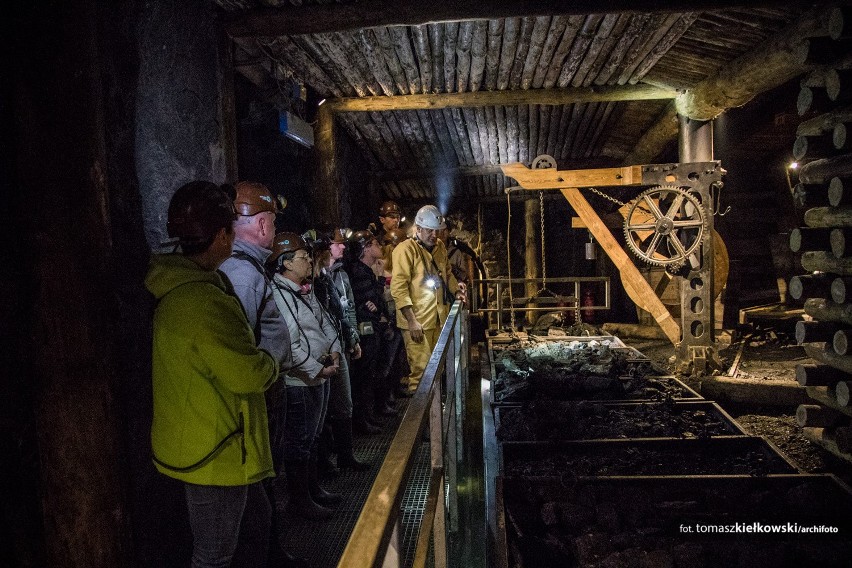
302 257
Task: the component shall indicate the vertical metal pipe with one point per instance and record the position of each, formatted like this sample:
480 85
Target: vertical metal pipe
695 140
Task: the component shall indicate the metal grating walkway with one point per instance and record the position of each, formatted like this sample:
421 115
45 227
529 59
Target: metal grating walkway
323 541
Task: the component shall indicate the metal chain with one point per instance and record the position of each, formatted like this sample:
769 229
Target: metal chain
605 196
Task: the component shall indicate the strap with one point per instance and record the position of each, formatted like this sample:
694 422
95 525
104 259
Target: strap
238 254
210 455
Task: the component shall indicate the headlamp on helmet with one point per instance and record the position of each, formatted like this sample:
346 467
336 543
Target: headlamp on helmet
429 217
390 209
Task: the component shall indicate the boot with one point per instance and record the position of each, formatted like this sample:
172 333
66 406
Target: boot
300 496
343 444
280 558
385 409
320 495
363 426
325 465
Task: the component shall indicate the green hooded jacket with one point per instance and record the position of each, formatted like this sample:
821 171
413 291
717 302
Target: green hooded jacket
210 425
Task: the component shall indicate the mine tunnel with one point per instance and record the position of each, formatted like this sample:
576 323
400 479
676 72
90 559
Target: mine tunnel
625 223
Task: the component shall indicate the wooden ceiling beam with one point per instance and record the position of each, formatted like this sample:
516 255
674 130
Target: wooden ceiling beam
639 92
772 64
779 59
336 17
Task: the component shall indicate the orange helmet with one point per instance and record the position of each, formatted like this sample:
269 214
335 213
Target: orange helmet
283 243
390 209
253 198
394 237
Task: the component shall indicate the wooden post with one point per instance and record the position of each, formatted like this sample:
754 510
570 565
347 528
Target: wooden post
531 252
634 284
326 199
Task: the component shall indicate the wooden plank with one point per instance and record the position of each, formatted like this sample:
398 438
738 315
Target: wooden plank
511 134
537 40
524 39
572 28
507 53
451 34
578 49
543 129
532 133
559 179
492 54
555 120
420 35
376 61
553 40
634 284
600 43
334 17
385 44
477 54
464 138
436 44
402 46
634 34
523 128
463 45
500 121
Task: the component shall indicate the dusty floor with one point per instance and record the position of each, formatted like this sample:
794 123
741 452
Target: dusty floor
771 357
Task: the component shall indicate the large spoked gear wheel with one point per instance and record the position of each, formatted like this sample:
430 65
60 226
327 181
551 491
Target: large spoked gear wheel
665 225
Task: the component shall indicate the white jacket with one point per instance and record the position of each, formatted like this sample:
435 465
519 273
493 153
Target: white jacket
312 332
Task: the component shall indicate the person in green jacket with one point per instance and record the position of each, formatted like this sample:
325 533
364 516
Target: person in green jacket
209 427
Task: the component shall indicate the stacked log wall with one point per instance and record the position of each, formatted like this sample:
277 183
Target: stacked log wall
823 192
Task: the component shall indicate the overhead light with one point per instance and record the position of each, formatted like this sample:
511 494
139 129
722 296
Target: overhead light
793 165
295 128
320 103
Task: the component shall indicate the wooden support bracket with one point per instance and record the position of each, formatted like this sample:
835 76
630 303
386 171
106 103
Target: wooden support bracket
568 181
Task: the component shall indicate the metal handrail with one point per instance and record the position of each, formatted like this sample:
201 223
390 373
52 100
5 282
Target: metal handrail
375 539
496 306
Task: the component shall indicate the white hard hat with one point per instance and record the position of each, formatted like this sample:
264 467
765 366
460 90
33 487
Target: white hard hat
429 217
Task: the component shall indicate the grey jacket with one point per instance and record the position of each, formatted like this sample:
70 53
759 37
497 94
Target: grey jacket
245 271
312 332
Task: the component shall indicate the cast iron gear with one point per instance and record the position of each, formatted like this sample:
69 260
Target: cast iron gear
665 225
543 162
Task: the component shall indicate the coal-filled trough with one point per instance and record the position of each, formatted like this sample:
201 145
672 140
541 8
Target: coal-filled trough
549 420
744 455
577 368
680 522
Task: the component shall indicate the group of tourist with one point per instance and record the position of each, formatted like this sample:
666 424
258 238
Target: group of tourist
270 348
